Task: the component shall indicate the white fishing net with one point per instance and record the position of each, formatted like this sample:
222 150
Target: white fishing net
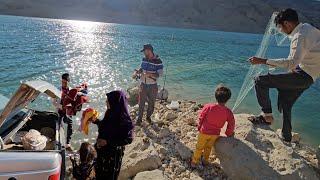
271 36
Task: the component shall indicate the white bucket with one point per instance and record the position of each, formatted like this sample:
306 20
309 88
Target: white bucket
174 105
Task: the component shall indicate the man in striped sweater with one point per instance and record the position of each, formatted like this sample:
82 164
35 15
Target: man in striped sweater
150 70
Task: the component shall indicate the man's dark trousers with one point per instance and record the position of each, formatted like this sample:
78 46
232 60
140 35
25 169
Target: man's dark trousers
290 87
148 93
67 120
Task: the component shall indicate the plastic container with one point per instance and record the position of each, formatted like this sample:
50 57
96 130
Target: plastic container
174 105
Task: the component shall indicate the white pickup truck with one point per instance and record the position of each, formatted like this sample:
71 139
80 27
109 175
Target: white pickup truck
15 116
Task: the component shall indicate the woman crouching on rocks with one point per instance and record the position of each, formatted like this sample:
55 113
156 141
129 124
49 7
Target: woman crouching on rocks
115 131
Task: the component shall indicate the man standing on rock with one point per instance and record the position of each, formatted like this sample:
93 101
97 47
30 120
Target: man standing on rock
303 64
150 70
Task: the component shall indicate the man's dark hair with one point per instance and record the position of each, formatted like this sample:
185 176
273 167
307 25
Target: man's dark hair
286 15
222 94
65 76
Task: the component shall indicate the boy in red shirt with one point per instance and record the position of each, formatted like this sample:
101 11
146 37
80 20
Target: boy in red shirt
211 119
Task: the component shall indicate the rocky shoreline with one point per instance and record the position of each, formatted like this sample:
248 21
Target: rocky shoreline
162 150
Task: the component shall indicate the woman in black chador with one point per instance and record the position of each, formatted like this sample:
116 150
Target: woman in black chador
115 132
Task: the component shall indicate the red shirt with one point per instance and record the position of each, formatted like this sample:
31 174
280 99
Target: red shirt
213 117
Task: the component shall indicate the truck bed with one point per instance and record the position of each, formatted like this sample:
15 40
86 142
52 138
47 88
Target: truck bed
45 123
19 163
29 165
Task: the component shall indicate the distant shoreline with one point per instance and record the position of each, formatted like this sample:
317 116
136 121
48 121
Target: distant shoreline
135 24
228 16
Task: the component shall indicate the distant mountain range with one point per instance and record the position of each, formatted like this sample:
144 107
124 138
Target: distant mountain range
225 15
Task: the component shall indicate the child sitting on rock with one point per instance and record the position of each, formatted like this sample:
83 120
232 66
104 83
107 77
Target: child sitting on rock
212 118
85 169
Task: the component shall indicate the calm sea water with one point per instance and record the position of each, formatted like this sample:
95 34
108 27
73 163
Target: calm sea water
104 55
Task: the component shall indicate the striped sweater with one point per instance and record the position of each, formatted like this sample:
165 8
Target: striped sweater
153 66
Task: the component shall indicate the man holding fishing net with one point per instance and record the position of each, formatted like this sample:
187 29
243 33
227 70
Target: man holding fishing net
303 64
150 70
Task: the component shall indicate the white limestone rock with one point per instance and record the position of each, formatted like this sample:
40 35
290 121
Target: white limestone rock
150 175
258 152
145 158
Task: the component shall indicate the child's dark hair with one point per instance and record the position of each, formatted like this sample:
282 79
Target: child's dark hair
286 15
222 94
87 153
66 77
85 169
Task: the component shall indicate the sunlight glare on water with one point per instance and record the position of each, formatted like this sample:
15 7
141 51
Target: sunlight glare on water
91 64
104 55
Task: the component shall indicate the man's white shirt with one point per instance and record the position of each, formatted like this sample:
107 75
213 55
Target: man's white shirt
304 51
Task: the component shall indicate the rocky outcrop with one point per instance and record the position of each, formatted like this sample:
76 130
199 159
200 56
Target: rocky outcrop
174 139
255 152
